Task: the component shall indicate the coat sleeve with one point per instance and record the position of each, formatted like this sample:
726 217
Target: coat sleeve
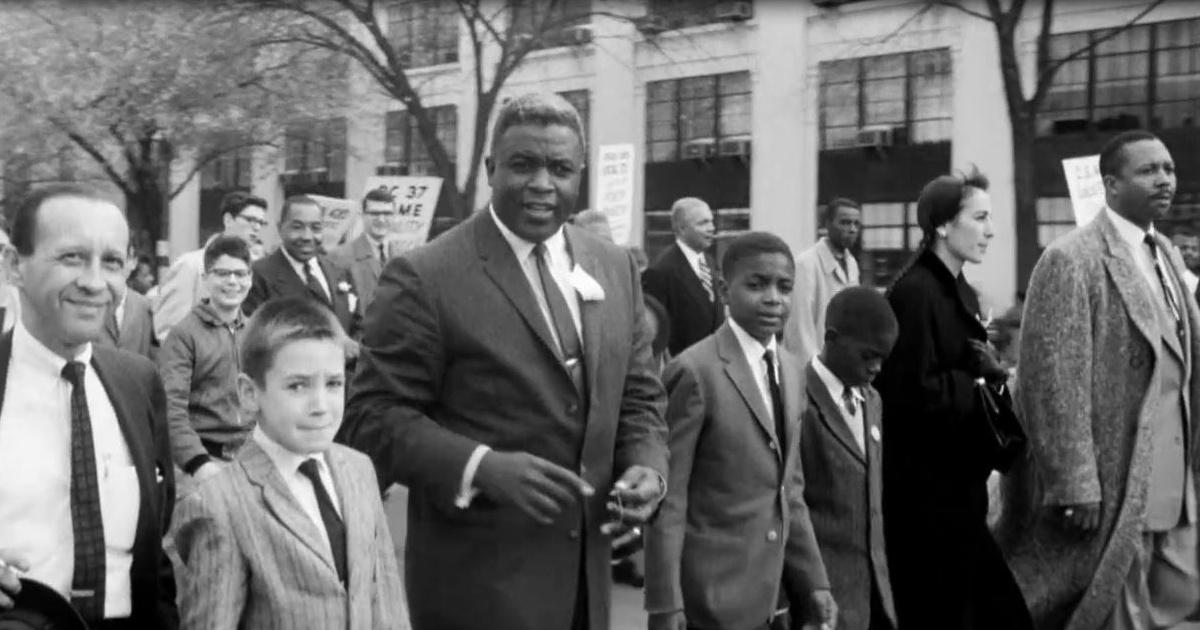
213 576
259 292
1054 377
804 570
641 430
167 607
176 362
686 416
801 335
398 381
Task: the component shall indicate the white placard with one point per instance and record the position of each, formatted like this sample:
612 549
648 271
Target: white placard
416 200
340 216
614 189
1085 186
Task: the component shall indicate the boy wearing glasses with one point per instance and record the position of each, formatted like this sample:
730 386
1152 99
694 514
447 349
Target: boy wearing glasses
199 364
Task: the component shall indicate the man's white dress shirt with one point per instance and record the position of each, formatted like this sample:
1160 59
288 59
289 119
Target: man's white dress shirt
35 472
313 265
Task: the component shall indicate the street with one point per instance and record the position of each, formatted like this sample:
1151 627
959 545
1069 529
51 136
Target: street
627 601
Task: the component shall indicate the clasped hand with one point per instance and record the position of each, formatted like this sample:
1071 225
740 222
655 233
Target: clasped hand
10 582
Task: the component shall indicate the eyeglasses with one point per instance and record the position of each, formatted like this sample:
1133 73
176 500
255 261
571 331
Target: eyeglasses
253 220
226 274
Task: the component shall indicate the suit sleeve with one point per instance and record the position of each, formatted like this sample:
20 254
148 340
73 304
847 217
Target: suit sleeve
176 362
656 284
388 601
259 292
213 576
168 611
1054 376
641 430
801 335
175 296
804 570
686 416
397 382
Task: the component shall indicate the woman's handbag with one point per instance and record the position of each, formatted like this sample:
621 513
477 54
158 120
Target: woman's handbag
1005 438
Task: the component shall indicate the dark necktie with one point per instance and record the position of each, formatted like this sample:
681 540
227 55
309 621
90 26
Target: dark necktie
382 256
560 313
334 528
848 401
1172 305
776 401
87 523
313 284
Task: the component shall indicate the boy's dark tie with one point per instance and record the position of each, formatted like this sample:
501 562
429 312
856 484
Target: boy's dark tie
776 401
87 523
335 529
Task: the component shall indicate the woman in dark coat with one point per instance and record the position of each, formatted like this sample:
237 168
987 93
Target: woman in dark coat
947 571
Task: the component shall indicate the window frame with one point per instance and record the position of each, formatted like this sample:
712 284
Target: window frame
677 119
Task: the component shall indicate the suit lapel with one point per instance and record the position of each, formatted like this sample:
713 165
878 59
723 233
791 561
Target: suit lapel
364 252
1171 275
502 267
829 263
743 380
831 414
793 404
360 522
279 500
1129 281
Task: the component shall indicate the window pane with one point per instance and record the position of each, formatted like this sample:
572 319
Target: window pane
697 118
840 71
662 151
840 137
937 130
1064 44
887 66
657 91
661 119
698 87
1133 39
395 136
735 115
735 83
839 104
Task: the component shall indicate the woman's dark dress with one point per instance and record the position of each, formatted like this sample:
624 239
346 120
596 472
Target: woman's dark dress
947 572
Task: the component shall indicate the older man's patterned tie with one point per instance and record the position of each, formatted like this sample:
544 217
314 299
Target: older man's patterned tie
87 523
706 279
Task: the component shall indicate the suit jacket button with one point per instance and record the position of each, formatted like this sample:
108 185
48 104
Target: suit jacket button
772 536
573 534
773 447
572 408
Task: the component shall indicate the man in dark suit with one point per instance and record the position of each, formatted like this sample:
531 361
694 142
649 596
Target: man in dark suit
296 268
506 379
130 326
841 450
366 255
682 279
86 485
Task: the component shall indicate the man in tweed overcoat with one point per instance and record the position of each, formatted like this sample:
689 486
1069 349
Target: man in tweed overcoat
1101 525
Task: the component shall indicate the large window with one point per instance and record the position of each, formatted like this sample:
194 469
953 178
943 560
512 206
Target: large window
698 117
316 147
423 32
230 170
683 13
908 93
1145 76
890 235
549 23
403 148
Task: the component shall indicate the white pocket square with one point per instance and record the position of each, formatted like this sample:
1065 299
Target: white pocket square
586 286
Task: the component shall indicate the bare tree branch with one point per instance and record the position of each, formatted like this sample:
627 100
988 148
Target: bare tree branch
958 6
213 156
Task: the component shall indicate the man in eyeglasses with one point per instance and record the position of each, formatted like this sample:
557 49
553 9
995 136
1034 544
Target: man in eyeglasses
244 215
199 364
365 256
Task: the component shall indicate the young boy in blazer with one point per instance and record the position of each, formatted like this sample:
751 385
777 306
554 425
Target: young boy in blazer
841 453
733 543
292 533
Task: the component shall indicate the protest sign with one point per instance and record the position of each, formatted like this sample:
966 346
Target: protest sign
614 189
416 200
1086 187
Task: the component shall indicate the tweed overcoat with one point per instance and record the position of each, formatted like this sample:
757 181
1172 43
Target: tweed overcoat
1090 349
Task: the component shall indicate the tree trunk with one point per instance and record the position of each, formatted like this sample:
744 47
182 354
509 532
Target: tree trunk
1025 194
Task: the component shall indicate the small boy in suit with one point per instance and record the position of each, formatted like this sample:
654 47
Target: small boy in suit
292 533
841 453
733 542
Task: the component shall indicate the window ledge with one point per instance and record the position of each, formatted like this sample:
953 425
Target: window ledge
701 29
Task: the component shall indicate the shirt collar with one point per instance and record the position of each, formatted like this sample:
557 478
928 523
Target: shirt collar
834 384
286 461
33 353
690 254
1130 233
556 244
751 347
296 264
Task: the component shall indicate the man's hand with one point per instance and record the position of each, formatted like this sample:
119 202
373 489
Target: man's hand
626 541
10 583
824 610
668 621
633 499
1082 519
539 488
208 469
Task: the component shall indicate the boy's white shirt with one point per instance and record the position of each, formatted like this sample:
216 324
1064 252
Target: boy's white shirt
288 465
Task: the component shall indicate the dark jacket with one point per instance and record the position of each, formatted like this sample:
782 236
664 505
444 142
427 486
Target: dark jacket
675 285
199 365
274 277
947 571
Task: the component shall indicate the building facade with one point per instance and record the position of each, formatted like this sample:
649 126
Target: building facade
767 109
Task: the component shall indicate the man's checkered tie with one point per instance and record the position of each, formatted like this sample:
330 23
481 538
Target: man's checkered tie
706 278
87 524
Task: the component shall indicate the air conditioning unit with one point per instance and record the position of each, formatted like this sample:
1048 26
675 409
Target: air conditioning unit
577 35
735 146
878 137
652 24
734 11
700 148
